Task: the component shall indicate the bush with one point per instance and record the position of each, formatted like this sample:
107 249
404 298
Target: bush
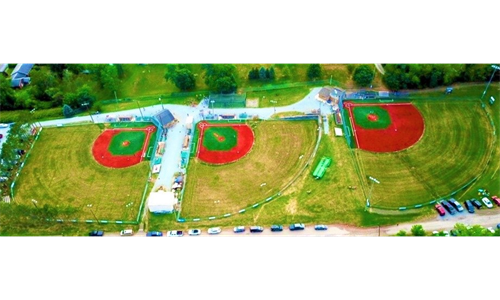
68 111
417 230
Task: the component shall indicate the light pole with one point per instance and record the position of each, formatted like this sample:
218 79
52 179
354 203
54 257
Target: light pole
90 207
495 68
159 99
34 203
213 110
140 109
274 102
116 101
373 180
86 104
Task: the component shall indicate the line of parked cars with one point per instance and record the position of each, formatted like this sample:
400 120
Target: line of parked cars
452 206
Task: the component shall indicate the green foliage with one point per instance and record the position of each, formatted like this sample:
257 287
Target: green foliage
41 81
183 78
467 230
286 73
84 97
262 73
363 75
272 73
220 78
417 230
7 95
314 71
401 233
67 111
253 74
109 77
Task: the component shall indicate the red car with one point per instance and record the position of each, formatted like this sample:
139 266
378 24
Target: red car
440 209
496 200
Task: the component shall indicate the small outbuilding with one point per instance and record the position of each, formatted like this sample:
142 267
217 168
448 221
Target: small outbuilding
161 202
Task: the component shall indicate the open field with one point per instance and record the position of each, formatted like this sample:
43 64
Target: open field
62 173
216 190
454 149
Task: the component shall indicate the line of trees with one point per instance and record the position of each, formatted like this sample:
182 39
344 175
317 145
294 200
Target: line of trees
419 76
262 74
458 230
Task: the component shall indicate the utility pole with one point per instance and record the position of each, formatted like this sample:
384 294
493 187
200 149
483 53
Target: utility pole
90 208
140 109
87 105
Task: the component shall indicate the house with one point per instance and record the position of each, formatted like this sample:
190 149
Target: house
20 75
3 69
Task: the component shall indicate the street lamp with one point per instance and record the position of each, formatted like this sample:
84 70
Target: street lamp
274 101
373 180
90 208
140 109
34 203
495 68
159 99
213 111
86 104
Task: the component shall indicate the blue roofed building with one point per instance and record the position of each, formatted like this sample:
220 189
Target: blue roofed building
20 75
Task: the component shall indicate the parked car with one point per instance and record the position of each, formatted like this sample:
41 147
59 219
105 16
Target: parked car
440 209
476 203
154 233
297 226
178 233
487 202
320 227
469 206
448 207
96 233
498 225
126 232
256 229
239 229
496 200
275 228
456 205
214 230
194 232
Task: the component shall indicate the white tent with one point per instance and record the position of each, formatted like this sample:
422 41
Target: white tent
338 131
161 202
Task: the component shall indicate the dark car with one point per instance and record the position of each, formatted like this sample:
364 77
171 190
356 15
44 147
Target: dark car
297 226
476 203
469 206
96 233
440 209
256 229
456 205
154 233
448 207
276 228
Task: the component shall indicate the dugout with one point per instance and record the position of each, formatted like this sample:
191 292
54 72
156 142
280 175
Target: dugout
166 119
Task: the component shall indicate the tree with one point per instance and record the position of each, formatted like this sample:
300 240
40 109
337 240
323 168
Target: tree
286 73
83 96
57 69
71 99
363 75
272 74
262 73
67 111
41 81
253 74
220 78
417 230
181 77
109 77
314 71
7 95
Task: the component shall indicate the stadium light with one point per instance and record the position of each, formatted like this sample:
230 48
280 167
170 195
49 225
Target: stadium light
373 180
495 68
274 102
90 207
213 111
159 99
86 104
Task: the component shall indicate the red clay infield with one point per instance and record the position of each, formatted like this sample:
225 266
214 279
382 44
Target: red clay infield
406 128
105 158
245 140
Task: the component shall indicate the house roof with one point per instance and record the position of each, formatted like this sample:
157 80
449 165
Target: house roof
325 93
21 70
3 67
165 117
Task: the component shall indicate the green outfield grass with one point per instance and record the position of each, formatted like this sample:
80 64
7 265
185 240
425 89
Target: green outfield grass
361 114
61 173
272 163
219 138
127 142
454 149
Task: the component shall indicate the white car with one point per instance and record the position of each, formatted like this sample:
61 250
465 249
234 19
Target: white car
491 229
487 202
126 232
175 233
214 230
194 232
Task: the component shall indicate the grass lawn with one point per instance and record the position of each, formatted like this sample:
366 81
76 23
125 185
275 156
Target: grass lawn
453 150
216 190
62 173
